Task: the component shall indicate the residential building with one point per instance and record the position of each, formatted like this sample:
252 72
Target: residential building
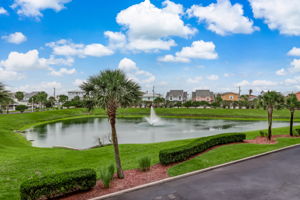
147 96
230 96
203 95
75 93
298 96
177 95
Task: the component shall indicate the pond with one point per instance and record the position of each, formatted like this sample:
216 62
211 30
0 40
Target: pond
85 132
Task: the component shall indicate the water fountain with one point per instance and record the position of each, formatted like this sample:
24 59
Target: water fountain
153 119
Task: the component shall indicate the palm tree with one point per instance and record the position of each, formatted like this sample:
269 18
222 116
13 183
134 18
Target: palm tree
19 95
5 98
269 100
292 103
111 89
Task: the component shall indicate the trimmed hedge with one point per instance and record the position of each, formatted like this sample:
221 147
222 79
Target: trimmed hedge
57 185
184 152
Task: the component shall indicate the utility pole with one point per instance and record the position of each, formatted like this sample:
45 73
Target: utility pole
239 92
54 93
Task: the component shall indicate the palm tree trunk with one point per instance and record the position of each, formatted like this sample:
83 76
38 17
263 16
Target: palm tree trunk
291 122
270 112
112 120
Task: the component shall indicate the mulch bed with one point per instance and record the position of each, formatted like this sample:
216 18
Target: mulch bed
157 172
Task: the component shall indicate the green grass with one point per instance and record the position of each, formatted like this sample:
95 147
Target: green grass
20 161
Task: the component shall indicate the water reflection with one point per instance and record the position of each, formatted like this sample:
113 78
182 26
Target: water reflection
85 132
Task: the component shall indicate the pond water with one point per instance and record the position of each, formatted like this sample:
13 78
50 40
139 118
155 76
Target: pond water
85 132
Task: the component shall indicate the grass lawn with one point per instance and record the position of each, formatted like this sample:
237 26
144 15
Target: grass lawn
19 161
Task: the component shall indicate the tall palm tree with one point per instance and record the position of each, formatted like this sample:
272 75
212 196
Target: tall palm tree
5 98
291 103
270 100
111 89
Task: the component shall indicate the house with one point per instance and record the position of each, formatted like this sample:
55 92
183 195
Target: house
230 96
203 95
177 95
252 97
298 96
75 93
147 96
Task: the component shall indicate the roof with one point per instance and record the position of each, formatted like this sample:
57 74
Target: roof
230 93
176 93
202 93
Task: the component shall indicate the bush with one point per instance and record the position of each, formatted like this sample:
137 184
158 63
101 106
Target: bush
263 133
106 175
57 185
21 108
184 152
296 132
144 164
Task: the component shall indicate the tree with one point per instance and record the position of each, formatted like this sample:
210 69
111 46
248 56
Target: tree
111 89
5 98
270 100
19 95
41 98
62 98
21 108
51 102
158 101
291 104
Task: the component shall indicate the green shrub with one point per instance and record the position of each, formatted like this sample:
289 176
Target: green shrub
296 132
144 164
21 108
184 152
57 185
263 133
106 175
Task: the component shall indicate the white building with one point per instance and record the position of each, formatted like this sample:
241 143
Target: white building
150 96
74 93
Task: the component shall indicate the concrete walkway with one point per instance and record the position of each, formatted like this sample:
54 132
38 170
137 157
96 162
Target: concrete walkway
271 177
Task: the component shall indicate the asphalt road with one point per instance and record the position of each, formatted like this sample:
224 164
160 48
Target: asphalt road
272 177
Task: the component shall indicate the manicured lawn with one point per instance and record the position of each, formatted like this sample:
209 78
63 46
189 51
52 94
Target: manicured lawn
19 161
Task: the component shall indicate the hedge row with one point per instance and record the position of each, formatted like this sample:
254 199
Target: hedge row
57 185
184 152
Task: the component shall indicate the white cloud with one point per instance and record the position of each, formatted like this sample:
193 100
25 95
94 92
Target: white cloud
197 79
6 75
43 86
223 18
243 83
256 83
33 8
281 72
3 11
78 82
135 73
295 66
62 71
294 52
116 39
67 48
198 50
279 14
213 77
149 27
228 75
16 38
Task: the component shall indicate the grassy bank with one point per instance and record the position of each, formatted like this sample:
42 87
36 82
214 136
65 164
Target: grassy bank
19 161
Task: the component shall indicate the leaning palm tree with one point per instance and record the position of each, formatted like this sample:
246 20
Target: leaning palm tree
110 90
271 100
291 103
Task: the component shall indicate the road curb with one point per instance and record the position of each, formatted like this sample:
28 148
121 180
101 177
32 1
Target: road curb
190 173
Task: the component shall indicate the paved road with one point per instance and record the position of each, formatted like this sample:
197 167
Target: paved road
271 177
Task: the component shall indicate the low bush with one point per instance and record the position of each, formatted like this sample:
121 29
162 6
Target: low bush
57 185
296 132
21 108
106 175
144 164
184 152
263 133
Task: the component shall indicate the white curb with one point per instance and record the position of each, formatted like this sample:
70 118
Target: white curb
189 174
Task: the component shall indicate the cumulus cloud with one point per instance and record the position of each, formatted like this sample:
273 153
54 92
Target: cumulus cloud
16 38
196 79
33 8
278 14
67 48
78 82
198 50
294 52
213 77
257 83
116 39
149 27
62 71
134 72
281 72
7 75
42 86
3 11
223 18
295 66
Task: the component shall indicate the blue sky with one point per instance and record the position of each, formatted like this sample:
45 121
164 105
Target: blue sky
217 45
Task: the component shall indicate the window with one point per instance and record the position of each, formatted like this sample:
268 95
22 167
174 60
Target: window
230 97
179 98
171 98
